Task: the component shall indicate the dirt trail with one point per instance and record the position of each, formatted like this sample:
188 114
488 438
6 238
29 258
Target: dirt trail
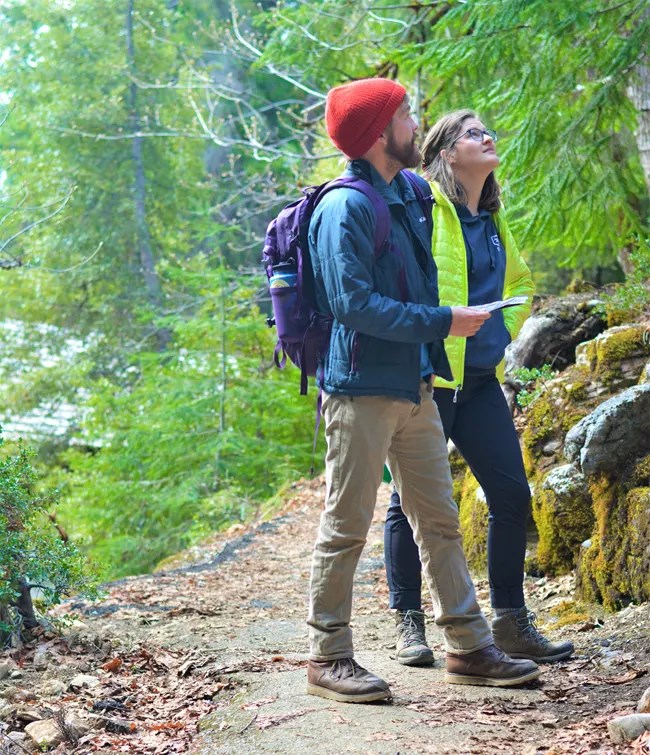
212 653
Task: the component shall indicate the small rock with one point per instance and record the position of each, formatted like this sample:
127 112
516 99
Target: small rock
628 728
11 693
19 737
44 734
41 660
16 674
643 706
552 447
83 681
73 632
6 711
6 668
113 725
29 715
609 657
53 688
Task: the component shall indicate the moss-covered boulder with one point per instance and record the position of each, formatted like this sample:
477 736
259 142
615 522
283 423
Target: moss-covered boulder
563 514
473 522
604 366
615 358
615 433
548 418
615 568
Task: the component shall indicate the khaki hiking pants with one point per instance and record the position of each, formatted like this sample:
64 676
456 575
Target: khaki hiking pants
361 432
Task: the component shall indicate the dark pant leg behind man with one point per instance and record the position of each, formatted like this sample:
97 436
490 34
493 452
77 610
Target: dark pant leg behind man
480 425
482 429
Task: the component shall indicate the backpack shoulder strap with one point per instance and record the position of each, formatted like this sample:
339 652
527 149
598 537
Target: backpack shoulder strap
382 214
426 202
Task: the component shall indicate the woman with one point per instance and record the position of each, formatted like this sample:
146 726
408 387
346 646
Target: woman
478 263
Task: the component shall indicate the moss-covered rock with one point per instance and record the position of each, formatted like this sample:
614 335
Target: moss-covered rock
547 420
473 523
562 510
615 358
615 568
569 612
615 433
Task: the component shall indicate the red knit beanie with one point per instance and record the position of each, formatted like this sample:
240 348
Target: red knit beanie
356 114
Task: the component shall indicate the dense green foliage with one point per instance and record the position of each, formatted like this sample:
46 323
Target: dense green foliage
31 550
551 77
190 440
158 140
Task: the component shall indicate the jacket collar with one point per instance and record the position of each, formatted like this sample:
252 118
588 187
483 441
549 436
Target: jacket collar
443 201
398 191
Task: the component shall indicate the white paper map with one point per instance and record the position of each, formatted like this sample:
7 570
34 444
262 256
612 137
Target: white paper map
513 301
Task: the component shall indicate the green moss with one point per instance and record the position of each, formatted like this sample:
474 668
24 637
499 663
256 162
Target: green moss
548 418
473 524
578 286
615 570
569 612
576 391
614 347
563 522
540 426
458 471
640 476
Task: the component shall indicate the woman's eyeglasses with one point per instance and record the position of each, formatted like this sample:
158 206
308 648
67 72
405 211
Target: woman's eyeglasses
475 134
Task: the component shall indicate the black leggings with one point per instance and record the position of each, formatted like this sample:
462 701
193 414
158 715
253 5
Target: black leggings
481 427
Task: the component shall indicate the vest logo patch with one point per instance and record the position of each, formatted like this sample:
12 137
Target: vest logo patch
423 219
495 240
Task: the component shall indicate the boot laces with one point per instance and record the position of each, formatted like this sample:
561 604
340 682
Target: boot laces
345 667
528 625
412 624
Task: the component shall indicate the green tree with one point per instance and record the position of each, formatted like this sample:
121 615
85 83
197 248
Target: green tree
563 83
197 440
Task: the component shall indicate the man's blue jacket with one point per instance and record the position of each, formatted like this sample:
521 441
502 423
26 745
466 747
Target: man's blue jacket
383 308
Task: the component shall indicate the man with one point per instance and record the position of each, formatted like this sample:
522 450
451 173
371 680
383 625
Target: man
385 345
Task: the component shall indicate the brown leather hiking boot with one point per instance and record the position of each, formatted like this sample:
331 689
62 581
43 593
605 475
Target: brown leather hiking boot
411 642
344 680
516 634
489 667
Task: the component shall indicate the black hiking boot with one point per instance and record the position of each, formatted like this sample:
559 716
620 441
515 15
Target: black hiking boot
517 635
411 642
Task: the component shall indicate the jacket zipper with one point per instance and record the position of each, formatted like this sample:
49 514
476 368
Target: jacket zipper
355 353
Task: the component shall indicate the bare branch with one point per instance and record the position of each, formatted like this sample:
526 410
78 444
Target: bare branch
68 269
29 227
7 114
272 69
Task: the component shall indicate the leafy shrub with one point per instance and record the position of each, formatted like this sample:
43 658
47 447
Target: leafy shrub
632 297
32 553
533 381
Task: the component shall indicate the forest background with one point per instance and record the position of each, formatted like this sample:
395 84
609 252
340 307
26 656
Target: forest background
144 147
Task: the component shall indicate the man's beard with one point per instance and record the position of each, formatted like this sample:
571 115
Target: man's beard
407 155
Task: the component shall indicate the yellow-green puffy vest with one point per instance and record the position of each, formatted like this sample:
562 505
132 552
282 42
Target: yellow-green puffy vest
451 259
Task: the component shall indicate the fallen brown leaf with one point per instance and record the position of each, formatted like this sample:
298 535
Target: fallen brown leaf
628 676
113 665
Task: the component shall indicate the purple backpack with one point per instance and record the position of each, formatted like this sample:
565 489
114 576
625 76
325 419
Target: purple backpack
303 331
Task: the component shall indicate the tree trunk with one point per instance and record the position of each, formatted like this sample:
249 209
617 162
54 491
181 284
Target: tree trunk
147 262
25 607
639 92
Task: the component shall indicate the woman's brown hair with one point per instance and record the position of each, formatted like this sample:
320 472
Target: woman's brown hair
442 136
